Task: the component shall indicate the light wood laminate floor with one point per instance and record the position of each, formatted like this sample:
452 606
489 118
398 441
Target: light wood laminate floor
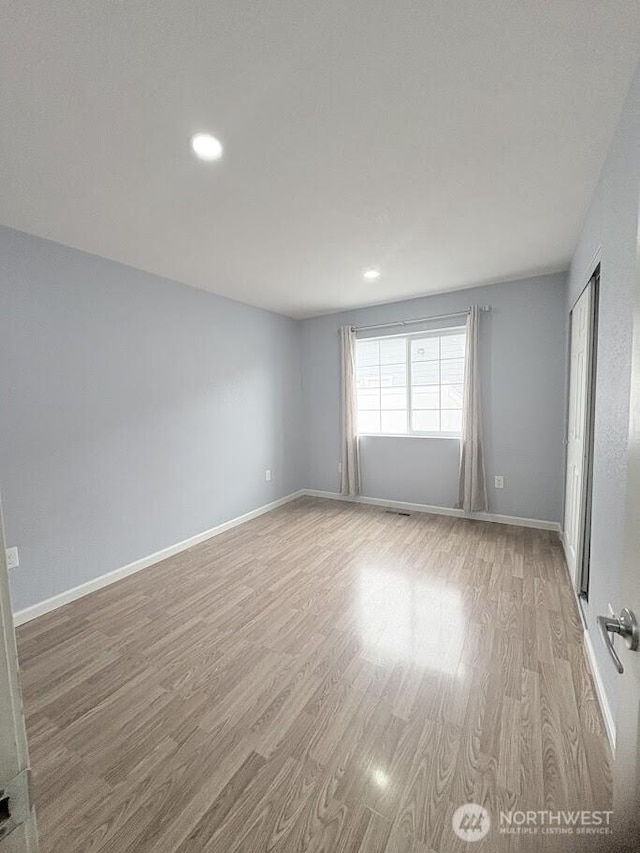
328 677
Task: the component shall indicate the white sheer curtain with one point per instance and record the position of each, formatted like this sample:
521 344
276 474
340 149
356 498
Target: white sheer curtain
350 482
472 494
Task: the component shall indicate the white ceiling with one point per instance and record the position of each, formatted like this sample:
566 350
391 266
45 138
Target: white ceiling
450 142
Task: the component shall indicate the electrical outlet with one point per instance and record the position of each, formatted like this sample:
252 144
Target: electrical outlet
13 561
339 467
499 481
267 475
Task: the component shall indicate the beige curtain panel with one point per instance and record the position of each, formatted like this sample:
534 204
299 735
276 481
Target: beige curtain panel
350 482
472 493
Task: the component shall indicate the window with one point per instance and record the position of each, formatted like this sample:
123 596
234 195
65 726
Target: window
411 384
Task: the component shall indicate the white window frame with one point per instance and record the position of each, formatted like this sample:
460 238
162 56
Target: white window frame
408 337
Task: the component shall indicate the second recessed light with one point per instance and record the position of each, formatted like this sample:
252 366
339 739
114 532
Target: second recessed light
371 274
206 147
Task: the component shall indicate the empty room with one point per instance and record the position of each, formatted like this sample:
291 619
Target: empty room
319 426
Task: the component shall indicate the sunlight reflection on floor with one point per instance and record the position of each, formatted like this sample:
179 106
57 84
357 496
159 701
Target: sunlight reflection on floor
405 619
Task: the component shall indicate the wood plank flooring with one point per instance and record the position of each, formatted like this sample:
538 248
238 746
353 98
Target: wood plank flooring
328 677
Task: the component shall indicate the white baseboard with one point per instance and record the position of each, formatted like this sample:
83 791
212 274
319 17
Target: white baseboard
29 613
439 510
609 721
42 607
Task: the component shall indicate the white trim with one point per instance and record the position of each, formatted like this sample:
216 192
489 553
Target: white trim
596 259
601 694
609 722
419 334
448 436
588 273
563 539
42 607
439 510
29 613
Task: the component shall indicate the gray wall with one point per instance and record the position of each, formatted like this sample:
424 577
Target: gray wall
135 412
611 224
523 349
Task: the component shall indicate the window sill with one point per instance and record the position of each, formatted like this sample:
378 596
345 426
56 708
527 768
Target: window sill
446 435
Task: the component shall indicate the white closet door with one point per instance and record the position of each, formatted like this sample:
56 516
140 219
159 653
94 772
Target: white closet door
579 376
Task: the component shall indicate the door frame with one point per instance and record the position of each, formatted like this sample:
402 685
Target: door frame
585 524
626 765
583 550
21 835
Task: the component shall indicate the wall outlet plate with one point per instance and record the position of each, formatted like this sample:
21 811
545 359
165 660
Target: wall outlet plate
13 560
267 475
499 481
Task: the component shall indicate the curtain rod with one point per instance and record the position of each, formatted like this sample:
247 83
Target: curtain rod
419 320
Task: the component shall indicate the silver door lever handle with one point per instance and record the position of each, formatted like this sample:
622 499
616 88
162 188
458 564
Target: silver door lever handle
627 626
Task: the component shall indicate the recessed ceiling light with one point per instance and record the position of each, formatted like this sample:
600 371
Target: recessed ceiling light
206 147
371 274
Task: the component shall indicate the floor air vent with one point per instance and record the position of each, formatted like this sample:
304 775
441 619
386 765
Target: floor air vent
397 512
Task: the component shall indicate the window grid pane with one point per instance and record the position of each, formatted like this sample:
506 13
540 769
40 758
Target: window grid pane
411 384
